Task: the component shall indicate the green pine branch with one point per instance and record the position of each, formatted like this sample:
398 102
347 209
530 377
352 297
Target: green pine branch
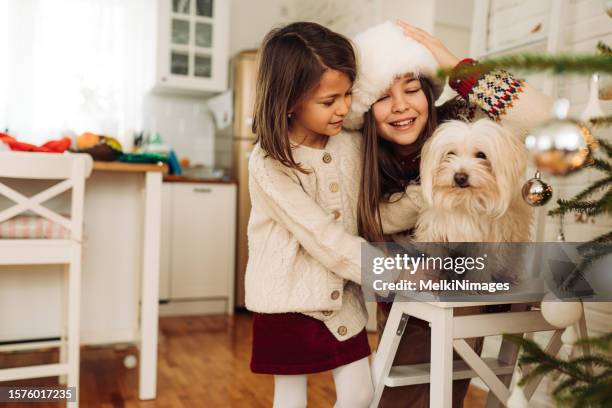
581 386
603 239
605 146
596 248
593 188
533 354
590 208
600 164
589 252
535 62
603 48
600 121
603 343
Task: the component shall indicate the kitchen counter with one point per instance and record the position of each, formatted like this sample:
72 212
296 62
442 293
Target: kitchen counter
171 178
135 167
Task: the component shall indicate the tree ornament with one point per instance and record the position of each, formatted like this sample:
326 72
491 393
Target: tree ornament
536 192
560 146
560 313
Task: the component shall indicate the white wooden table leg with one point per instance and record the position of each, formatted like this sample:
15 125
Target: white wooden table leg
150 286
63 348
441 375
472 359
508 354
74 316
385 353
552 348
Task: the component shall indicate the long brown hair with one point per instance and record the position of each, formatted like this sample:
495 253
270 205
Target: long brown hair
291 62
382 173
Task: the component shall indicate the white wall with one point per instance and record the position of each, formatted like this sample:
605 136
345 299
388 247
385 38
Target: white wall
453 25
251 20
349 17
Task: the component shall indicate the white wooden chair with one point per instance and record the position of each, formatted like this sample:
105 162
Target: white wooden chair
71 170
449 332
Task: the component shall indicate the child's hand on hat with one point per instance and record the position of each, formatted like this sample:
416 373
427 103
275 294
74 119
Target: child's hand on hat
445 58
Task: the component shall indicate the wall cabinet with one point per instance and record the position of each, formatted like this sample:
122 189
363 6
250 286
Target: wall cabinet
193 46
198 244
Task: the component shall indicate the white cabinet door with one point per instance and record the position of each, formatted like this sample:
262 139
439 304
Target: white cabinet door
193 46
203 241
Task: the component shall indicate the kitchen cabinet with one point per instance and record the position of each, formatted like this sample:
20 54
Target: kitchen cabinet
198 244
192 49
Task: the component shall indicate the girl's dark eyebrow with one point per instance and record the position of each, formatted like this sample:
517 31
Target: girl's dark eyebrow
410 79
329 96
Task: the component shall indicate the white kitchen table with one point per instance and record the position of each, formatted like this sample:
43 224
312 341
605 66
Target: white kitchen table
146 337
120 268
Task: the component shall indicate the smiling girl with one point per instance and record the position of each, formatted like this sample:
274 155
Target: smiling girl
394 107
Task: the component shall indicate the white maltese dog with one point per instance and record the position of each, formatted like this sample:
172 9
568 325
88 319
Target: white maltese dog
471 175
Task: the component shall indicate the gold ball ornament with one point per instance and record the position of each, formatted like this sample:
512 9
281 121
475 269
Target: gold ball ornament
536 192
560 146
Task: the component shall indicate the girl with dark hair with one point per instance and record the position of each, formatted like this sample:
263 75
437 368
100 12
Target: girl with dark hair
304 270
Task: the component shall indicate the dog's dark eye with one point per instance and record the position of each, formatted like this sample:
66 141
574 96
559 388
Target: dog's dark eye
481 155
451 153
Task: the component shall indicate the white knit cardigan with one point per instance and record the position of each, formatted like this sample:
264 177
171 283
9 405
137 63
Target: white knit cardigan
304 252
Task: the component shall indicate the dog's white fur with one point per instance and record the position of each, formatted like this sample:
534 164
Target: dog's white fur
491 209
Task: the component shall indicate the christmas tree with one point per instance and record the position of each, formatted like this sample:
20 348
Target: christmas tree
584 203
584 381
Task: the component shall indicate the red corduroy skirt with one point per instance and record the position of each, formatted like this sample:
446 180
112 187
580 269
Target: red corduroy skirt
293 343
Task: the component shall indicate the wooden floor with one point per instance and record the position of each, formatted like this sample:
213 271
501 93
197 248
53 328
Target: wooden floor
203 362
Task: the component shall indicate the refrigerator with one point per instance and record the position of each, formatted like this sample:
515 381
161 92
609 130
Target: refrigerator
244 67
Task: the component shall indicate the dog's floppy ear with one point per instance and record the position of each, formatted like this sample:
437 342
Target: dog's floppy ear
427 169
508 162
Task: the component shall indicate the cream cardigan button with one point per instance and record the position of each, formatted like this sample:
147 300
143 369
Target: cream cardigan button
327 158
327 313
336 214
335 295
333 187
342 330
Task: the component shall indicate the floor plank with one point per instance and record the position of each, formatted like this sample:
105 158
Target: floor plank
203 362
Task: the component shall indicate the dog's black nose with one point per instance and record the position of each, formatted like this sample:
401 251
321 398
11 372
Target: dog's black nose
461 180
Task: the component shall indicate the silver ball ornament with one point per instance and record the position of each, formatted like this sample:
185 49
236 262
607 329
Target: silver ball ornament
536 192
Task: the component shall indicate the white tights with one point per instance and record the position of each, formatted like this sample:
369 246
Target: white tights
353 382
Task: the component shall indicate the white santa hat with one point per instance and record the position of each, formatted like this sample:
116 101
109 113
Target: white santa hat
385 53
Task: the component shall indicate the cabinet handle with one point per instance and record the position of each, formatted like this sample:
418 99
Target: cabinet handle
202 190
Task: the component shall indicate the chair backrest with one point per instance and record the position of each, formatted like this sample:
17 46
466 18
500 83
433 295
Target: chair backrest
71 168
